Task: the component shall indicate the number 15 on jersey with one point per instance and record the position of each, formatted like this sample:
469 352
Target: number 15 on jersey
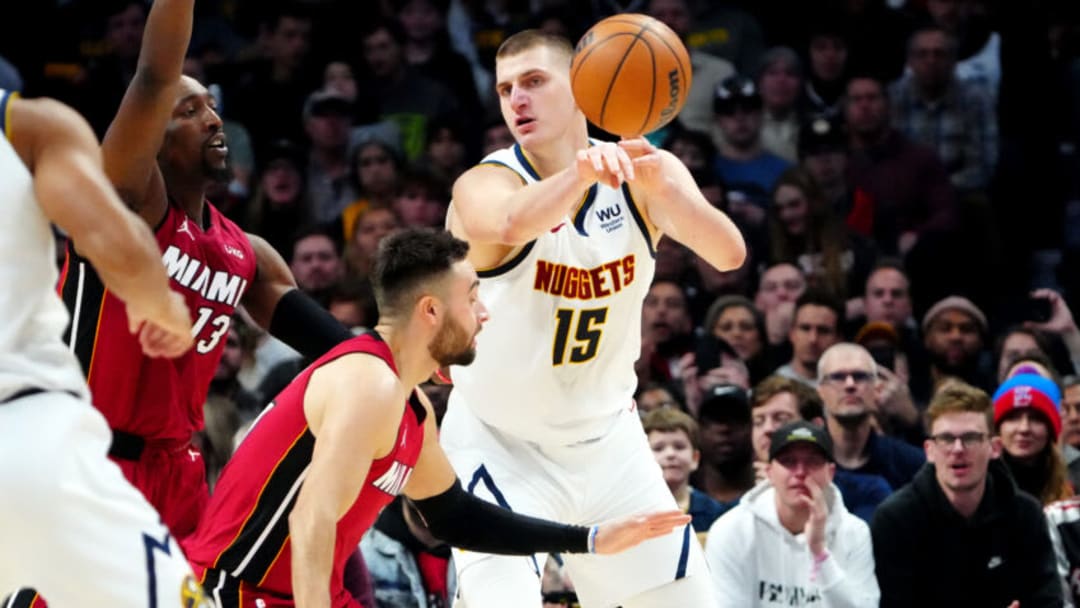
578 331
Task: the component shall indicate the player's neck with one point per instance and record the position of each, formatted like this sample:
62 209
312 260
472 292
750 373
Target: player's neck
411 357
561 153
191 200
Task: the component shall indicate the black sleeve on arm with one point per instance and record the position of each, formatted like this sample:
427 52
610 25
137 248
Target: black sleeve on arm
305 326
463 520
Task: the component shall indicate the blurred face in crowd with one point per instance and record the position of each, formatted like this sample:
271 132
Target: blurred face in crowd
958 467
777 411
737 325
339 78
672 13
689 153
792 208
382 53
948 14
780 84
887 297
789 471
780 283
316 263
445 150
953 338
675 454
497 137
376 170
813 330
846 386
420 19
725 442
866 109
281 182
328 129
124 31
671 259
372 227
290 41
665 315
1024 433
416 205
827 167
828 57
741 124
232 357
1016 345
654 399
1070 416
932 59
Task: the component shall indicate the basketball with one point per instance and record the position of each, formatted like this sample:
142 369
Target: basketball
630 74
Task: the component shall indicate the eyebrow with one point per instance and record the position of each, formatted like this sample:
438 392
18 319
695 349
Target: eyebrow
526 74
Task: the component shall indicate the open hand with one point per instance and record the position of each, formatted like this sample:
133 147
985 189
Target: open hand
621 534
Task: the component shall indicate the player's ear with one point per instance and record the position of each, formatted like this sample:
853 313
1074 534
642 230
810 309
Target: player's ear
429 309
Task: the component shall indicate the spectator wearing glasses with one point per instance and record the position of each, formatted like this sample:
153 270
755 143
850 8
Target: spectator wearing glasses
791 536
847 376
963 521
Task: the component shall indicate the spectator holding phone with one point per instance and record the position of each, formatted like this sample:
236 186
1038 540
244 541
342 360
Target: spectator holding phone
897 414
1048 312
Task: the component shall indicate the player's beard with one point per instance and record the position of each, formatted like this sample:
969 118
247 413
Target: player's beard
218 175
452 345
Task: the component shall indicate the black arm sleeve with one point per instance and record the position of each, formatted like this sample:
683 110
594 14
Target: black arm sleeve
463 520
305 326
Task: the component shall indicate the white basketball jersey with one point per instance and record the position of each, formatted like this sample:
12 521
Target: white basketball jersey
555 362
32 354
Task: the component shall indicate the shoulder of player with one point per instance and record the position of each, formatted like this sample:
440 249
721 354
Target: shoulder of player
356 387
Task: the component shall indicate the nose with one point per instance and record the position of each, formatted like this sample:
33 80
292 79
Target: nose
213 121
483 314
518 98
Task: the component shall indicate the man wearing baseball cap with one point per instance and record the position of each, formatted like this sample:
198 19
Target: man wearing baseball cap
792 535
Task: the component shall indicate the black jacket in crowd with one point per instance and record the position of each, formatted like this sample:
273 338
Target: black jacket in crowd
927 554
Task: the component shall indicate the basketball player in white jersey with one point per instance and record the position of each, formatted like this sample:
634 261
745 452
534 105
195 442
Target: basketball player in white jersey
70 524
564 232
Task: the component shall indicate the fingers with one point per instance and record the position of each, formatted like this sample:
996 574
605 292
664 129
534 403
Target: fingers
612 164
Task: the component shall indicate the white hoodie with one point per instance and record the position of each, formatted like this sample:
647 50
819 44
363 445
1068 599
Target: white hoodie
755 561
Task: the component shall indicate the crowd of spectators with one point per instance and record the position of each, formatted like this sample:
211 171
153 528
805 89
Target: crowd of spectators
906 174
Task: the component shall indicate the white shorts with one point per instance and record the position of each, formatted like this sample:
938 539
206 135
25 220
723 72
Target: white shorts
613 476
71 526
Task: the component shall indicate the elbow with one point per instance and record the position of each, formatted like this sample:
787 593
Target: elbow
513 231
733 256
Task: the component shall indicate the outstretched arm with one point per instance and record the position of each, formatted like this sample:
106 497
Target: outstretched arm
462 520
349 433
275 304
61 151
496 213
674 204
132 142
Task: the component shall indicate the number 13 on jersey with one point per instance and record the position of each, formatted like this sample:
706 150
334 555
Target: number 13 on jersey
584 328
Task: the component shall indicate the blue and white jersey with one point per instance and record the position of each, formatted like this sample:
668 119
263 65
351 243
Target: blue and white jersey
32 355
555 362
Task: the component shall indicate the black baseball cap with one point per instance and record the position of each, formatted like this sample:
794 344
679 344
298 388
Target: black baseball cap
821 134
725 403
800 432
736 92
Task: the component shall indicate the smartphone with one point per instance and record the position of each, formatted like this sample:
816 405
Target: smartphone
1038 310
707 354
884 355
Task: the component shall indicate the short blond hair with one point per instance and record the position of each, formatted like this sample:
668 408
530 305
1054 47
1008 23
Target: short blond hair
959 397
669 420
529 39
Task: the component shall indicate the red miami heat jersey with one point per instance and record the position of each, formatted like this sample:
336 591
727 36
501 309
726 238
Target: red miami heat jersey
245 529
160 398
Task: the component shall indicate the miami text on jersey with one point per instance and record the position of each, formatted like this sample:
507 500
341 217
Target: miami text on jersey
584 283
213 285
394 479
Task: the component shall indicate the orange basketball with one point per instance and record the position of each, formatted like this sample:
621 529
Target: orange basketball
630 74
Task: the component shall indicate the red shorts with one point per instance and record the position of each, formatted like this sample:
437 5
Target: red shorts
229 592
172 477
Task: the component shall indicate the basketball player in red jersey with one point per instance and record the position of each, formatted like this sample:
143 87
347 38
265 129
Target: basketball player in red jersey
353 431
162 151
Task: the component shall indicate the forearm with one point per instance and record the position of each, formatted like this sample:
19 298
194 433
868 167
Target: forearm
165 41
311 534
305 326
840 590
540 206
462 520
708 232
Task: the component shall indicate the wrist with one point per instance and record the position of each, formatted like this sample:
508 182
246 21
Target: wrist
819 555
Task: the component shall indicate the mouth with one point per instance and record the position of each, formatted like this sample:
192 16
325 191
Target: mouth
218 143
524 123
960 469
